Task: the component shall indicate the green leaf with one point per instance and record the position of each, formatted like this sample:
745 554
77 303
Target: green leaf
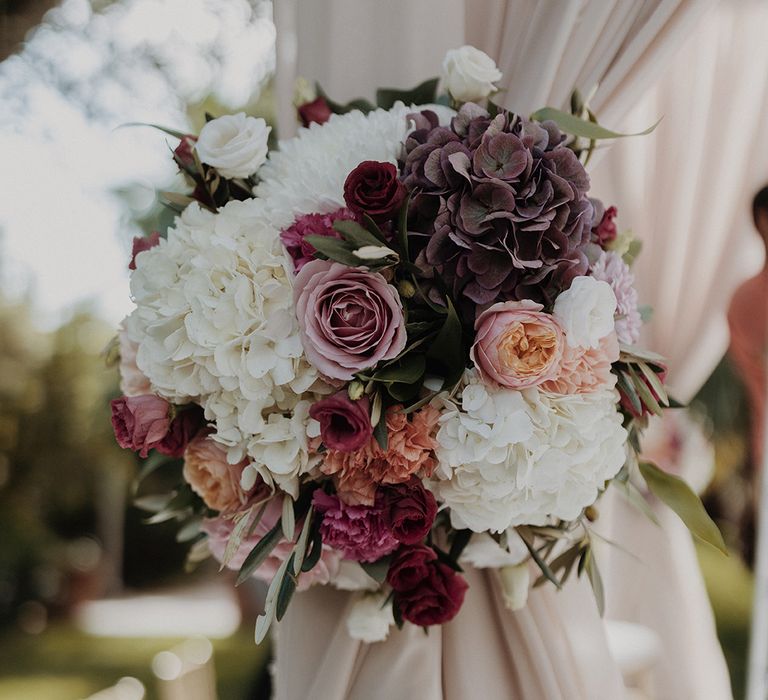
301 545
424 93
402 229
636 499
315 550
673 491
359 103
595 579
334 249
528 540
628 389
260 552
645 394
378 569
289 519
190 529
655 381
577 126
356 235
408 370
380 433
181 200
460 541
242 525
286 591
171 132
446 351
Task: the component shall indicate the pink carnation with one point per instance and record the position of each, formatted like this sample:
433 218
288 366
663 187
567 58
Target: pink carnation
293 237
586 369
360 533
220 529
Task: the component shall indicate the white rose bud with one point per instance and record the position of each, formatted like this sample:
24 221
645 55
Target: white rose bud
236 145
515 582
586 311
369 619
469 74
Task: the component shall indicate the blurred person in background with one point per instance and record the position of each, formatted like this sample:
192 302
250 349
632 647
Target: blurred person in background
748 323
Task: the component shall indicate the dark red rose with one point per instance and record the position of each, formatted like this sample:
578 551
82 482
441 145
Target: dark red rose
316 111
142 243
410 566
373 188
140 422
183 152
605 231
410 511
184 427
345 425
626 403
435 599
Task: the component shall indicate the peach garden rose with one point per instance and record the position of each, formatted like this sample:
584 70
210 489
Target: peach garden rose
517 345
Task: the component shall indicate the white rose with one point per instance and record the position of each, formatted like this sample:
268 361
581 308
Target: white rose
515 582
469 74
236 145
586 311
369 619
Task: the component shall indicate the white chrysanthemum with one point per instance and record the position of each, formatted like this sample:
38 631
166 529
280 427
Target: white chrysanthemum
306 174
611 268
512 458
214 323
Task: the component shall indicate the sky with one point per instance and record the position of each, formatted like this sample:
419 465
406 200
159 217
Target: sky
65 232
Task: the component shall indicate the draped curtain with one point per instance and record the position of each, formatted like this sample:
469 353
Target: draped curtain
555 649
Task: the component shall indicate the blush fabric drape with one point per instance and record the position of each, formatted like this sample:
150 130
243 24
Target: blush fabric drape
554 649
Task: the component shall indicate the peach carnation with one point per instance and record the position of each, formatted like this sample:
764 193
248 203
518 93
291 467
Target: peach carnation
410 450
211 477
583 370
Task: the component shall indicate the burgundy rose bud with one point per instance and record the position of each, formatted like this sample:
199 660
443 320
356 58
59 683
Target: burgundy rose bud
435 599
142 243
605 232
374 188
140 422
345 425
410 511
410 566
183 152
184 427
316 111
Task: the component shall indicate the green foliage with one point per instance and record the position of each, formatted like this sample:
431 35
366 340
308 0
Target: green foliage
576 126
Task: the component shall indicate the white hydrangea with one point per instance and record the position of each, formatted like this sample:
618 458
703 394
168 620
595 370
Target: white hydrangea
370 618
214 323
512 458
306 174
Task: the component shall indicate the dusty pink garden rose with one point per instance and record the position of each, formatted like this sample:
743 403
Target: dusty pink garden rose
345 425
133 382
349 319
211 477
140 422
220 529
583 370
517 345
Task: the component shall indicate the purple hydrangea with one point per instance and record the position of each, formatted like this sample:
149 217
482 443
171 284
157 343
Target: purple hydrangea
358 532
500 207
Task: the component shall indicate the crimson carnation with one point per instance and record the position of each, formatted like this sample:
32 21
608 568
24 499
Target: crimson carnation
410 511
294 237
360 533
605 231
374 189
502 209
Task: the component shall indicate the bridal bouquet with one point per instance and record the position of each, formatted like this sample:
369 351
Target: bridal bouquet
398 344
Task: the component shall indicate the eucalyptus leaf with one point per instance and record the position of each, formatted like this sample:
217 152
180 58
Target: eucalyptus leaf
627 387
300 550
673 491
171 132
356 235
408 370
260 552
528 540
334 249
636 499
655 381
595 580
242 525
645 394
288 520
359 104
286 590
576 126
315 550
190 529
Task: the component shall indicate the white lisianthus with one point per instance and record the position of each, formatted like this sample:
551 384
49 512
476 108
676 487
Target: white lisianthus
370 618
509 458
469 74
586 311
235 144
483 552
515 583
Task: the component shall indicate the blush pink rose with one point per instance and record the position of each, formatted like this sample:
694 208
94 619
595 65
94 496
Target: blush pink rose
219 531
517 345
211 477
140 422
349 319
583 370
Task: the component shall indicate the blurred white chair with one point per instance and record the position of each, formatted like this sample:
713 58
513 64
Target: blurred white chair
125 689
186 672
636 650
